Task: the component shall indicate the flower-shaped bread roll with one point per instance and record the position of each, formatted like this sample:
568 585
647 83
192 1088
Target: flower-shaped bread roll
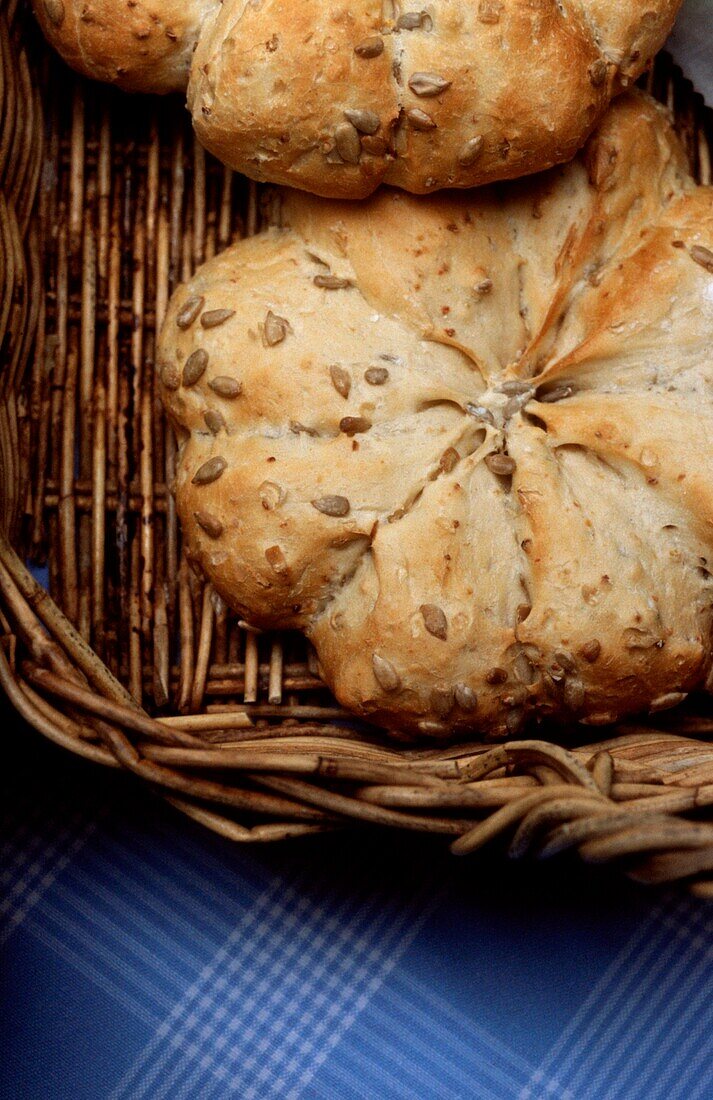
466 444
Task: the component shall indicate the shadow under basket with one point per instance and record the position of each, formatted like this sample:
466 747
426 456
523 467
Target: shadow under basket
124 656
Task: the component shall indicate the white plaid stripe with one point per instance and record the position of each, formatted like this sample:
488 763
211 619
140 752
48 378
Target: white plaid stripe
407 1027
321 981
693 1048
701 1081
297 974
285 953
243 1010
170 910
13 851
691 1059
646 1029
79 959
202 857
275 1009
140 1077
624 971
619 1022
138 979
187 888
116 941
385 1048
90 939
345 1076
119 961
356 988
435 1031
123 933
31 839
31 861
415 993
604 1044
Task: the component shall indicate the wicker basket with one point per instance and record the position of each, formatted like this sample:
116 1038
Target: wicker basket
131 661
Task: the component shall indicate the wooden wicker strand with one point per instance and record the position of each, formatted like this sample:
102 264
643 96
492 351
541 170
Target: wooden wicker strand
130 660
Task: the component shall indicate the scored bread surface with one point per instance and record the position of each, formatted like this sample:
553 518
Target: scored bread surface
336 98
466 444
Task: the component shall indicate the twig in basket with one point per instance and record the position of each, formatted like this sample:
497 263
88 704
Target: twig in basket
696 776
185 617
703 890
573 833
631 735
242 799
641 837
486 795
672 866
135 681
161 645
146 527
274 688
24 595
622 791
41 646
65 511
232 830
98 517
251 668
545 774
602 768
543 817
509 815
105 708
673 802
56 727
239 720
252 759
267 710
530 753
361 811
205 638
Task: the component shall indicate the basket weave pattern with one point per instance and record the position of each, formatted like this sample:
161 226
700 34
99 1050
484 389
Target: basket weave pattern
132 661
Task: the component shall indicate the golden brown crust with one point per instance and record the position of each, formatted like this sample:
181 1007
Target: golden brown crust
469 94
141 45
338 98
272 103
472 452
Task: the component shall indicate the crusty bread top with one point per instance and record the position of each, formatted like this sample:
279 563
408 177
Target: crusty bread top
141 45
335 98
465 443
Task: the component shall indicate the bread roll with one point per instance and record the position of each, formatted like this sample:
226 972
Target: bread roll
140 45
465 443
336 98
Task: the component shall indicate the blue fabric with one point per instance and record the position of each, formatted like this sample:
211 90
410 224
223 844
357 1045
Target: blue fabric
145 957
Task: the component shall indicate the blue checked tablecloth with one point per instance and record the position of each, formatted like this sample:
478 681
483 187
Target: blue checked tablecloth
143 957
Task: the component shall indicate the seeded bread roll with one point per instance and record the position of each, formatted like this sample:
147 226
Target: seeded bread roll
141 45
466 444
336 98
